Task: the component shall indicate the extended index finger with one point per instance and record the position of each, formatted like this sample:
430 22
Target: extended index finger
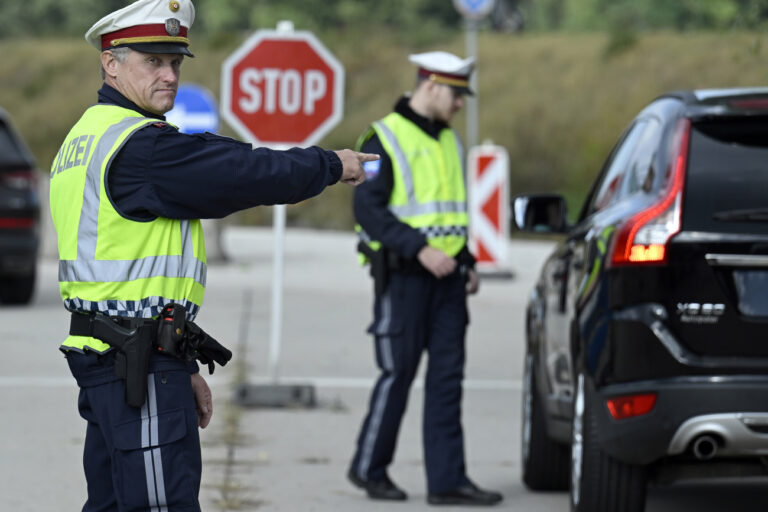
368 157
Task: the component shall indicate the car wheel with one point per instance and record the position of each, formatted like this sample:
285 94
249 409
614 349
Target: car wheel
17 290
545 462
600 483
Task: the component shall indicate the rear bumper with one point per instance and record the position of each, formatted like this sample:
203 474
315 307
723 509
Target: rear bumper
734 409
736 434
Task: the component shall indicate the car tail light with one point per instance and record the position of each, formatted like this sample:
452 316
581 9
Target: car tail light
750 104
17 223
19 180
643 238
624 407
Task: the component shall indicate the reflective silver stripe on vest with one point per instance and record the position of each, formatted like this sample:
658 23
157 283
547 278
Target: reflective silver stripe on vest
462 157
87 267
186 237
401 159
413 208
105 271
87 228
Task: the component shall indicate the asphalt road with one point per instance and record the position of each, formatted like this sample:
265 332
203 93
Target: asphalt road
294 459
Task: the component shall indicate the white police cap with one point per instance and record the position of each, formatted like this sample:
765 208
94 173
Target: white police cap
445 68
149 26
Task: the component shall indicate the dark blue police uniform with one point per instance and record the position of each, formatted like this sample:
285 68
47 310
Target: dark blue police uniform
416 313
162 172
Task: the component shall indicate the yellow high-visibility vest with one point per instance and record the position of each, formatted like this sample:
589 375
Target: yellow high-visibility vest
108 263
428 190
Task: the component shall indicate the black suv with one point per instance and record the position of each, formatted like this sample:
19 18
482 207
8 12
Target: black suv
647 330
19 216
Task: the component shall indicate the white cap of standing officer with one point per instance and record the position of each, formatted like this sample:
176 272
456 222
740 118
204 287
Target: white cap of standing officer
147 26
445 68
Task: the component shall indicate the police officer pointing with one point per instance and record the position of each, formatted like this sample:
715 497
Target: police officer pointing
412 216
127 192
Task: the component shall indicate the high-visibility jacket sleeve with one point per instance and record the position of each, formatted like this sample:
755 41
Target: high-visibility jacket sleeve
371 206
162 172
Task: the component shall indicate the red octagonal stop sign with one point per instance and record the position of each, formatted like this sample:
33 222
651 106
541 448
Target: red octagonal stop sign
282 89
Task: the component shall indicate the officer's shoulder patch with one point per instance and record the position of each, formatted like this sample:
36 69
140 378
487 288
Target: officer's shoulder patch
372 168
159 125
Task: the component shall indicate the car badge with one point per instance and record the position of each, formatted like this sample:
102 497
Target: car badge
172 26
700 313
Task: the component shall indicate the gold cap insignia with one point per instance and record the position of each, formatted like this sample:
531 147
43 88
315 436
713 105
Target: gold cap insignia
174 6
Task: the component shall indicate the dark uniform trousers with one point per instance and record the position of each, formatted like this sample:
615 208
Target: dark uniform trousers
145 459
418 313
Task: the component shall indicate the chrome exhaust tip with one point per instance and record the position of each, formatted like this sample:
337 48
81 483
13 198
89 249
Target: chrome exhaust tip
705 447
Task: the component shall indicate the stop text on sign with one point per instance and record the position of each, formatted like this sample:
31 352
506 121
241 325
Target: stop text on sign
288 90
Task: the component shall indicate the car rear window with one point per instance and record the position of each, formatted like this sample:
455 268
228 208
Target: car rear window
727 180
11 154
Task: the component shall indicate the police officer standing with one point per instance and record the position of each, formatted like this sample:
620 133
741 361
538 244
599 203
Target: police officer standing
127 192
412 216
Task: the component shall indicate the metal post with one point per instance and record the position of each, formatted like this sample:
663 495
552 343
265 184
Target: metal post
274 394
278 229
276 321
472 101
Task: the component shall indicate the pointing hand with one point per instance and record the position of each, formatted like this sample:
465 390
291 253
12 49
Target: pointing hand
352 162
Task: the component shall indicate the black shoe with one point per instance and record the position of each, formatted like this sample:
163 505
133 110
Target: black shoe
384 489
468 494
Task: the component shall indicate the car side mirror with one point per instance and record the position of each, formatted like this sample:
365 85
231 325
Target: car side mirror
540 213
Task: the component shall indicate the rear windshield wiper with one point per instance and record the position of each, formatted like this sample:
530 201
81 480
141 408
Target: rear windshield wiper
748 215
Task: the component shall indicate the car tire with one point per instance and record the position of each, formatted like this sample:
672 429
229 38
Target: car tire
546 463
600 483
17 290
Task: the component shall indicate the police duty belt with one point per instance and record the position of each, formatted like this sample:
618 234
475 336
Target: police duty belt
136 338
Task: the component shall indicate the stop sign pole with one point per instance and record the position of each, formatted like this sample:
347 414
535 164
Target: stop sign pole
280 89
473 11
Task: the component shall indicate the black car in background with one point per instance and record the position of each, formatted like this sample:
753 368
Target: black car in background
647 330
19 216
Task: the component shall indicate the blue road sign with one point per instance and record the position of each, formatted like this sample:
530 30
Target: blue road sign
474 9
195 110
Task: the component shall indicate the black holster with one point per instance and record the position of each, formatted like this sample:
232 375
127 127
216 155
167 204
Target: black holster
181 338
134 346
379 266
206 349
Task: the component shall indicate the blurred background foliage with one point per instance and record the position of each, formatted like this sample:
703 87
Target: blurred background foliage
558 79
57 17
